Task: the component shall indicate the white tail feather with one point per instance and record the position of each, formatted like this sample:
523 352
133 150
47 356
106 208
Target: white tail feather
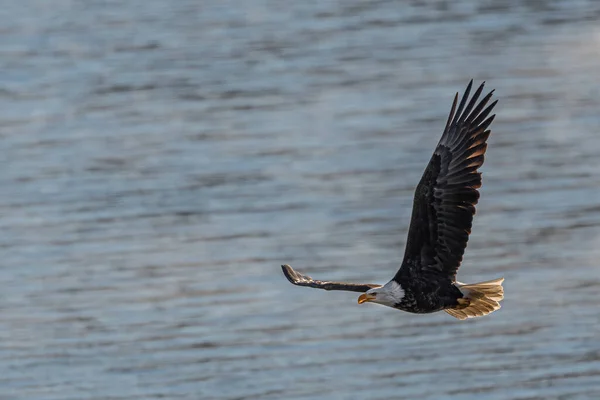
483 298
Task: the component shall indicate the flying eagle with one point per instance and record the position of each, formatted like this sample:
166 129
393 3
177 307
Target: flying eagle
443 209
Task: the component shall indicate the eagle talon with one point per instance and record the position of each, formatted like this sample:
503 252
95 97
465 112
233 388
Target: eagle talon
463 303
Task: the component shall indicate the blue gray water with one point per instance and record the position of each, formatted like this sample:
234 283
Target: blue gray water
162 159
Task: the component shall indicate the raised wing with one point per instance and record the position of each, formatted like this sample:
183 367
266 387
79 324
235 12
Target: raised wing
302 280
446 196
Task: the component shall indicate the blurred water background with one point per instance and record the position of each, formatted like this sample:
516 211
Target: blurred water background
162 159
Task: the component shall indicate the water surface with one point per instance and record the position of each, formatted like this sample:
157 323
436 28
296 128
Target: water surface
162 159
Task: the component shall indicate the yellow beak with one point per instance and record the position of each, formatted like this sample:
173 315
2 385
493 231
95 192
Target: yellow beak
365 297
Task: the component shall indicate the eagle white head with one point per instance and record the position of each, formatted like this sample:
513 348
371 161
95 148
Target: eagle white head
389 294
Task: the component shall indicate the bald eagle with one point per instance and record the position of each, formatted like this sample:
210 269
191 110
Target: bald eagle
443 209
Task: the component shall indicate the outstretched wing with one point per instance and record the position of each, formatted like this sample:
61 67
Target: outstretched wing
446 196
302 280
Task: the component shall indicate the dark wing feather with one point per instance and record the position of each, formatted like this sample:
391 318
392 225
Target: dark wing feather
302 280
446 196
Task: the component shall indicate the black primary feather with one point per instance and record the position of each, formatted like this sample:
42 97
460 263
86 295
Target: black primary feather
303 280
445 198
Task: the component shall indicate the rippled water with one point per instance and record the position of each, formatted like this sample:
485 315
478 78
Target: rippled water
162 159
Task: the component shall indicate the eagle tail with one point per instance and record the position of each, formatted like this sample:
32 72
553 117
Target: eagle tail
479 299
